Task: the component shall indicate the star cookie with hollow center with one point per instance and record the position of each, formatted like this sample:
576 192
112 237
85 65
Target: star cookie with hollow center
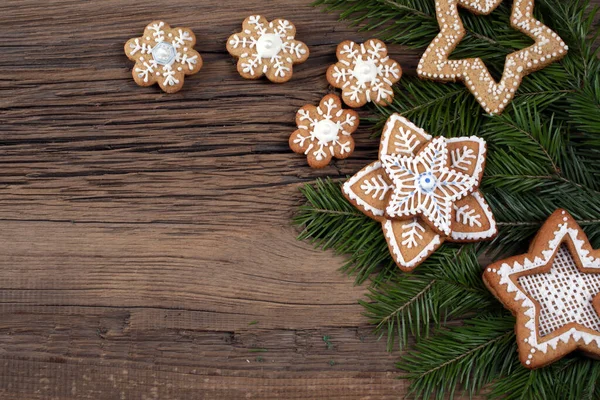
424 191
365 73
493 96
554 291
267 48
324 132
163 55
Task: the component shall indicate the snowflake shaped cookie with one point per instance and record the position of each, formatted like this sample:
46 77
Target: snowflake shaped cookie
424 191
554 291
493 96
324 132
365 73
164 55
267 48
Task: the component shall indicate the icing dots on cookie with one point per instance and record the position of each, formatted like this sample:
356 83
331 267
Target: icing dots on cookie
493 96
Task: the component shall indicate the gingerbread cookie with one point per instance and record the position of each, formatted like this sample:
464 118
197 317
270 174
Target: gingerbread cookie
554 291
424 191
267 48
493 97
324 132
164 55
365 73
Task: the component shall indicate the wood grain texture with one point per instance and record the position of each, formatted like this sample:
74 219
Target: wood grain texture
146 250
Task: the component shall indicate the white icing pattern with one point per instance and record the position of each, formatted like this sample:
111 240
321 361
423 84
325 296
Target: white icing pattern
565 295
396 249
377 187
416 185
404 136
425 185
324 131
412 234
467 216
463 158
493 96
324 134
164 54
265 46
474 219
367 190
550 301
365 73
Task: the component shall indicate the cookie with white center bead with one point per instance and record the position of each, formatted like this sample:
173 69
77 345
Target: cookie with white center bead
163 55
266 48
554 292
436 63
324 132
365 73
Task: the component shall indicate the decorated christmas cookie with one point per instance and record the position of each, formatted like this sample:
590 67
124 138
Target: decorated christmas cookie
267 48
365 73
493 96
424 191
324 132
554 291
164 55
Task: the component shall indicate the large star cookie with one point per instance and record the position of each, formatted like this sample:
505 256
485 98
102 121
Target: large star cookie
493 96
424 191
554 291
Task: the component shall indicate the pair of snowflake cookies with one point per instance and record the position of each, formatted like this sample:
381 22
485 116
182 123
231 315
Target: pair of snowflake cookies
163 55
365 73
554 292
267 48
424 191
324 131
493 96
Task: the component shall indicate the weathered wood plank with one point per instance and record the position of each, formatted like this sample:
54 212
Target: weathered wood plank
142 233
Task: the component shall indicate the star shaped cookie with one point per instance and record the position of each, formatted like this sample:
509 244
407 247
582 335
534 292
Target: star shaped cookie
493 96
426 184
554 291
424 191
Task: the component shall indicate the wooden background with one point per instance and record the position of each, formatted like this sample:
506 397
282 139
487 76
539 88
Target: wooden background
146 250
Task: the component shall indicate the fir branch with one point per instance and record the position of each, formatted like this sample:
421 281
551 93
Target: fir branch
523 129
447 285
469 356
330 221
396 312
568 379
448 110
409 22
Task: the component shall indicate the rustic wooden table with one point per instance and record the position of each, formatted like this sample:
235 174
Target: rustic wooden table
146 250
146 244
